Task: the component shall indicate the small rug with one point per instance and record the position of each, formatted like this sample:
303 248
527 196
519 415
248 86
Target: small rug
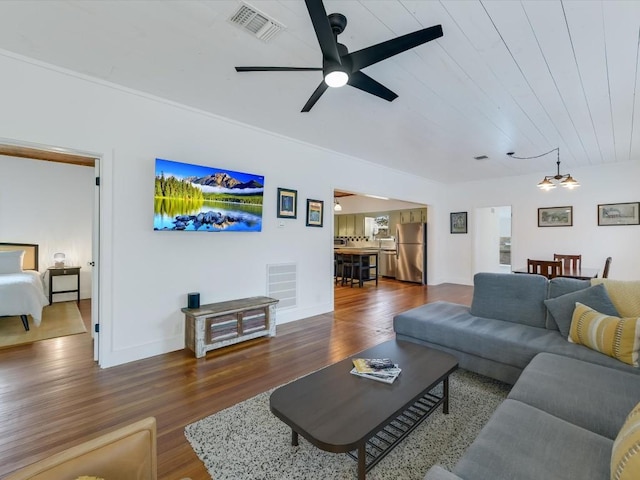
247 442
58 320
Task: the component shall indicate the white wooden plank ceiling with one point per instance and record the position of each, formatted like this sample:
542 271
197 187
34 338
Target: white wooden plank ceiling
506 76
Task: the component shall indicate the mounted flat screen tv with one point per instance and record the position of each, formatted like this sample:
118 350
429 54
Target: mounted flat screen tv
206 199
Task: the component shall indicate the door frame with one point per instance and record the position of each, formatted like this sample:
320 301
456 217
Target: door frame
481 232
36 151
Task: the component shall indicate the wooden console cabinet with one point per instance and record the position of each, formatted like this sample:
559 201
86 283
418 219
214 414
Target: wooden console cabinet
220 324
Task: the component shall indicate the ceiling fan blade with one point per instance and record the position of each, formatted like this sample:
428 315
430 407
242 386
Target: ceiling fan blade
367 84
315 96
276 69
324 32
375 53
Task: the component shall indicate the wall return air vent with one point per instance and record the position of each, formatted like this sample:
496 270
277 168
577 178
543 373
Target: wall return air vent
256 23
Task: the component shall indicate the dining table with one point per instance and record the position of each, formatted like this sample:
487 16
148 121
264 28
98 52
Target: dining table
581 273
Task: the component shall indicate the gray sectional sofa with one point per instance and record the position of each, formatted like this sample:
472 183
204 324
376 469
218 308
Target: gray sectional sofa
559 422
507 324
568 402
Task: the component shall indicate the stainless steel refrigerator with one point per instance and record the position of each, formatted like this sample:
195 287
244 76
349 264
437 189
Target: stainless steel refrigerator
411 241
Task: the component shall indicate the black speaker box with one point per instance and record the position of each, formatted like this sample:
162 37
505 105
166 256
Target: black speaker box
193 300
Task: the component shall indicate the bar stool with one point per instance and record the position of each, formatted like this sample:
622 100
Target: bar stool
338 266
351 268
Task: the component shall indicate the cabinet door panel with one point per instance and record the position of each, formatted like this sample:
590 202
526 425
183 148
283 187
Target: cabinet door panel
359 225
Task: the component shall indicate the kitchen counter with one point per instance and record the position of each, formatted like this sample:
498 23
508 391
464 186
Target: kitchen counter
357 250
373 249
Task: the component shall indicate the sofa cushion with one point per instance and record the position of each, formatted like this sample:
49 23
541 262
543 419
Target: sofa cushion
452 325
625 295
580 352
616 337
561 308
516 298
590 396
562 285
559 286
625 457
526 443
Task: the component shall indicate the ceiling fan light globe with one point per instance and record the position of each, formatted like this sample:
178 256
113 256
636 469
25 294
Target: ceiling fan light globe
336 78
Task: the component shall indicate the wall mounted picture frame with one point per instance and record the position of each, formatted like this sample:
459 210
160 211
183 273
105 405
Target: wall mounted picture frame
458 222
555 216
619 214
287 203
315 212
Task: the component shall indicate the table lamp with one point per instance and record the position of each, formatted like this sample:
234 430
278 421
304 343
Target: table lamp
58 258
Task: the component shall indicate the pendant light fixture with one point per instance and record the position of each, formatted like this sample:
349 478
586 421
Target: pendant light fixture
336 205
551 181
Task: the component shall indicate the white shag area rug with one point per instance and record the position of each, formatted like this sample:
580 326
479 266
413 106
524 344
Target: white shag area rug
247 442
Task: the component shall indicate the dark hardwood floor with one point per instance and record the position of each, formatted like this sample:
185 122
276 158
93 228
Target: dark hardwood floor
53 396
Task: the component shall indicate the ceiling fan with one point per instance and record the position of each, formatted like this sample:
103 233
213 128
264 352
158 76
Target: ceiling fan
339 67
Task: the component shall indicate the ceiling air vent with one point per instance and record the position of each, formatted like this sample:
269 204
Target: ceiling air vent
481 157
258 24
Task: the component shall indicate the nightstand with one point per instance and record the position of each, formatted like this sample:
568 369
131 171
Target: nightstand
58 271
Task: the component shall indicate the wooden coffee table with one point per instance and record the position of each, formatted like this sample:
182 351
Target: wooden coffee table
343 413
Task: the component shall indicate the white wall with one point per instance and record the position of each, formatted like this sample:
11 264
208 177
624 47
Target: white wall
50 204
613 183
145 275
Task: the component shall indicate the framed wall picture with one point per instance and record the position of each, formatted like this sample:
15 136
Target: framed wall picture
619 213
287 203
458 222
315 212
555 217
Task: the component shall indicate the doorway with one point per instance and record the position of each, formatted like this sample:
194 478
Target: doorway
492 242
23 150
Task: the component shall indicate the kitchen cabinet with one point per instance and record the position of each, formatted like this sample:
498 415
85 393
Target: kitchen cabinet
349 225
418 215
358 228
353 225
413 215
342 225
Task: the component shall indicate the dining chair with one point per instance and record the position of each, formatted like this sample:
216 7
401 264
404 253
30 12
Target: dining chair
569 262
607 264
547 268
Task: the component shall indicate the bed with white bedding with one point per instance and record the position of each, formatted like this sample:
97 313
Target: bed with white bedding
21 287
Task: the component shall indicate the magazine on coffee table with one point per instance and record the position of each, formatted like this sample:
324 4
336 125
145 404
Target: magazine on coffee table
380 369
373 365
386 377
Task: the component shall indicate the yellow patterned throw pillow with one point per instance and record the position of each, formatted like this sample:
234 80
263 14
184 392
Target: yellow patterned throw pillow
625 295
625 455
617 337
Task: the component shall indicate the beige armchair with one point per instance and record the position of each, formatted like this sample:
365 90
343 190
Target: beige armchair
128 453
